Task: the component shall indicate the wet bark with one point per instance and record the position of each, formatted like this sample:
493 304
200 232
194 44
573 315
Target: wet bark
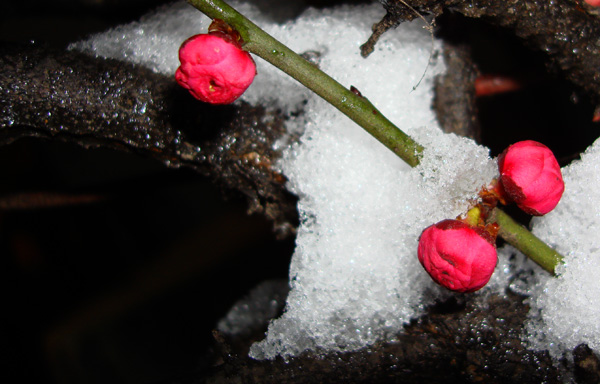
94 102
566 31
462 340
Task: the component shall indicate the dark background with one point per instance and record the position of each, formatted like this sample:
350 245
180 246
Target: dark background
127 287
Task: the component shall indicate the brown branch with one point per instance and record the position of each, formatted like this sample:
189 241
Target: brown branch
566 31
462 340
93 102
37 200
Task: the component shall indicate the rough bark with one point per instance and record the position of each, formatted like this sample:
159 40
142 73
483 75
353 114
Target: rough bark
95 102
454 100
567 31
462 340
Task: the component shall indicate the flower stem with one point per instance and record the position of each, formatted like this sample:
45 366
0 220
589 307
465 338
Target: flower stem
526 242
360 110
356 107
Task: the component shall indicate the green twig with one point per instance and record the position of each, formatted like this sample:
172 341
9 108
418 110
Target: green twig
359 109
526 242
356 107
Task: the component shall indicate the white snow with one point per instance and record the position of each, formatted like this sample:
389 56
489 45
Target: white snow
354 277
566 310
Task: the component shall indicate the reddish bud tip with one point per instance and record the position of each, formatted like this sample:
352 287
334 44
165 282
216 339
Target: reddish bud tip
486 85
213 69
531 177
593 3
457 256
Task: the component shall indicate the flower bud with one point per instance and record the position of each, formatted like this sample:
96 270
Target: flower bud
457 256
531 177
215 70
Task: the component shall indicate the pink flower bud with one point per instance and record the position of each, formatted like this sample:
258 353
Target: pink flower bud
530 176
457 256
214 69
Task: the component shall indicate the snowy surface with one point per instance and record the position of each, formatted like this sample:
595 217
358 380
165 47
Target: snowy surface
566 310
355 278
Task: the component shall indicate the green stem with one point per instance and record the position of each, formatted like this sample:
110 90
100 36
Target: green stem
519 237
352 105
360 110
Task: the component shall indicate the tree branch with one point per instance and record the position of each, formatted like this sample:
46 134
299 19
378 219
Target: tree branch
95 102
567 31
